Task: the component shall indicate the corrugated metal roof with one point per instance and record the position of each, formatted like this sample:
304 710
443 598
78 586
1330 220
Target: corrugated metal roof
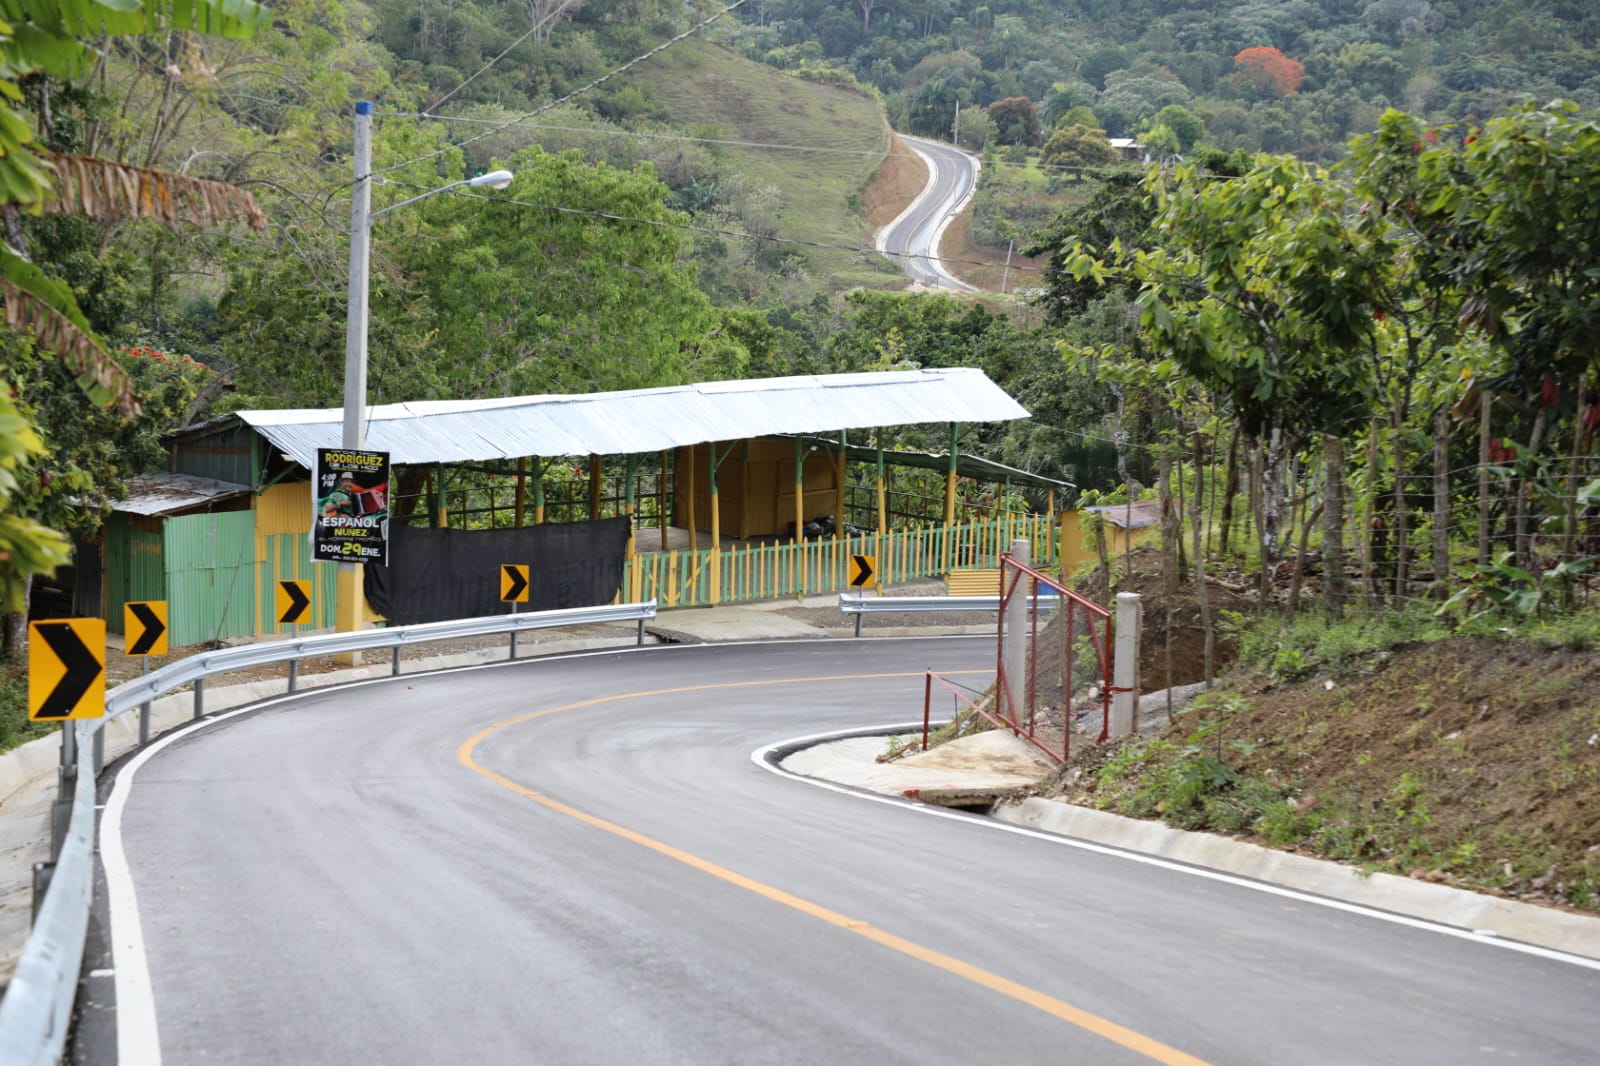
971 466
1141 514
645 420
158 494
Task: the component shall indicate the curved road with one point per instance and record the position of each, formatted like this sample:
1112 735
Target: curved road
912 239
578 861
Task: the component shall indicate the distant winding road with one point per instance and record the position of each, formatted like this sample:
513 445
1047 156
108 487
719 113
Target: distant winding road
912 239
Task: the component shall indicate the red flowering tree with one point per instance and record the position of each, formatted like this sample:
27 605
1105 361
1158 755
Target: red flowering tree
1267 71
1015 120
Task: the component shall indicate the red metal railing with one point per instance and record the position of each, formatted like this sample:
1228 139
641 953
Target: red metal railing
1082 620
927 714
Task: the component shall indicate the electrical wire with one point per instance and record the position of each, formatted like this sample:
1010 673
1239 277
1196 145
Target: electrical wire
663 46
535 28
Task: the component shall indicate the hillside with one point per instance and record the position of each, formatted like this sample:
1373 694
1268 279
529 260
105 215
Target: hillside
805 151
1469 760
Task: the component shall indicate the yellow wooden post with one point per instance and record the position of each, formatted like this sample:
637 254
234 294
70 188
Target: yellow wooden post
838 481
883 498
522 491
663 502
800 512
950 476
694 529
716 526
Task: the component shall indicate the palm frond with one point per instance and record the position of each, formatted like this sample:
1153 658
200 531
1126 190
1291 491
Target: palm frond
113 192
37 303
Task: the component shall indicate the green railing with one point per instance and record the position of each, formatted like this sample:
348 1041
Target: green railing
745 572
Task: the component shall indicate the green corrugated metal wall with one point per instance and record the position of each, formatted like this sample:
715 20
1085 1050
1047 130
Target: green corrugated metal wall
211 566
285 557
134 566
226 455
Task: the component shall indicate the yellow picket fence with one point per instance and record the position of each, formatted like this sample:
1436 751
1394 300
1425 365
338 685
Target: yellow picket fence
740 573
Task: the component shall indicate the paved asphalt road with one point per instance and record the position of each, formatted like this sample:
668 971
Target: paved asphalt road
577 861
913 237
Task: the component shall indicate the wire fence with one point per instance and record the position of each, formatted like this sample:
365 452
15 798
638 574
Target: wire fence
1519 536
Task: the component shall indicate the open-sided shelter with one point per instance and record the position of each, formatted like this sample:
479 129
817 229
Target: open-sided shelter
774 449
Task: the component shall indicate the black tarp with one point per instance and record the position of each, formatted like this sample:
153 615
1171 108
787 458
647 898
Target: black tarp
435 575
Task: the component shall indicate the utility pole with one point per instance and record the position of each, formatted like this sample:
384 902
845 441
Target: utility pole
348 596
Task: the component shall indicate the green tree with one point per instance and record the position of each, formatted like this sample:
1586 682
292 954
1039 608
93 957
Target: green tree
574 283
1218 297
1078 148
51 43
1510 215
1185 125
1015 121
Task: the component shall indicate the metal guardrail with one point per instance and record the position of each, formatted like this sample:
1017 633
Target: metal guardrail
36 1012
863 605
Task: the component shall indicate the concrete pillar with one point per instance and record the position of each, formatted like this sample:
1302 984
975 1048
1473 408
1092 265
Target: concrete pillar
1015 651
1125 665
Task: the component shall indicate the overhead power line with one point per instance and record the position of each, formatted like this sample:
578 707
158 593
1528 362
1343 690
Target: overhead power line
663 46
535 28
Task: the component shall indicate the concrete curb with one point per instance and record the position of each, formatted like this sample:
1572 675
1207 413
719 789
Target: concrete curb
1526 922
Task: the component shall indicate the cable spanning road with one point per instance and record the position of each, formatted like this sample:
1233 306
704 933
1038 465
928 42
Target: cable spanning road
578 861
913 237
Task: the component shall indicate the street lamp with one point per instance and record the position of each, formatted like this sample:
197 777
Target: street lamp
347 612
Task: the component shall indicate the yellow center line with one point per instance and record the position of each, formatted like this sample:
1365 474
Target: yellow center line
1089 1022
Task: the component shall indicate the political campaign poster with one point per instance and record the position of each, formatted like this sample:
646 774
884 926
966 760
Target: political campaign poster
350 497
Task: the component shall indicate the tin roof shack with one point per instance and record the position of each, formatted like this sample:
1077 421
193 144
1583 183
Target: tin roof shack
1124 526
780 448
174 539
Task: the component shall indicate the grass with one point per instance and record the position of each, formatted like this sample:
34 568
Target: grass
15 729
1310 643
701 83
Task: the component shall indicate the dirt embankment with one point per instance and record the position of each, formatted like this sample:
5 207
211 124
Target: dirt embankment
1472 761
896 182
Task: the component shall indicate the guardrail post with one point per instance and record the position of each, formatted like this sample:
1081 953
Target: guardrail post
144 708
66 782
200 698
294 675
42 872
69 759
395 671
99 746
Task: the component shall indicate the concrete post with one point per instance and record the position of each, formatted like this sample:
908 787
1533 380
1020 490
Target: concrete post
1125 665
1015 652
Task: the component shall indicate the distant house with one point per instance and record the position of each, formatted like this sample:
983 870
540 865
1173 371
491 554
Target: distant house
1130 149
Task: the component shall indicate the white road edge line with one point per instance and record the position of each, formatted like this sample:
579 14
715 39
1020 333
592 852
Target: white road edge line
761 757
